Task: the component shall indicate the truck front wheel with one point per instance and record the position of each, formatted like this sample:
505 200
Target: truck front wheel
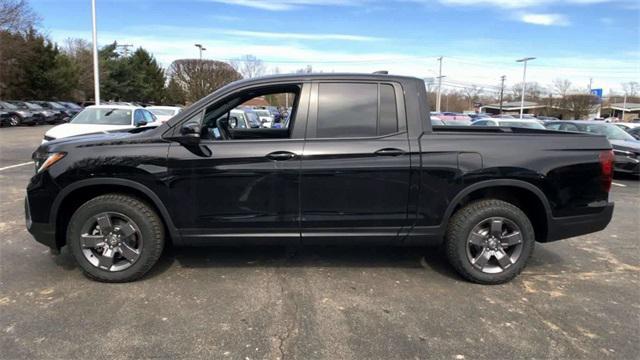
115 238
489 241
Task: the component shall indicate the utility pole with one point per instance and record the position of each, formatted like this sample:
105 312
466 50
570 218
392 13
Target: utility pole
438 99
501 91
590 84
96 75
524 83
624 106
201 48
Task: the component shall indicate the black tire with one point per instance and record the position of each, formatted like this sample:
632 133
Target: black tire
459 231
150 226
14 121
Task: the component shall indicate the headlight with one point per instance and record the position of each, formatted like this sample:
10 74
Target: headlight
45 161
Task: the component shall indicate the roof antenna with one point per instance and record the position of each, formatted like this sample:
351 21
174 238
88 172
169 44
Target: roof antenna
381 72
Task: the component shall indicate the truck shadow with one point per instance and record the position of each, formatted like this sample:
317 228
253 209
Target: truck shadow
305 257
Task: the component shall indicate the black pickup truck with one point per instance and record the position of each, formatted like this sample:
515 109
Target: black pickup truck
357 161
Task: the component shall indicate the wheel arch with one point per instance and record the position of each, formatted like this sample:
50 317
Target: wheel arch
76 194
524 195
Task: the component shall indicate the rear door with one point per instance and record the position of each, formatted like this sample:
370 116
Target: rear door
356 165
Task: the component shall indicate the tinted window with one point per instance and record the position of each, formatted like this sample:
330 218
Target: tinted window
148 116
356 110
553 126
480 123
388 123
138 117
570 127
347 110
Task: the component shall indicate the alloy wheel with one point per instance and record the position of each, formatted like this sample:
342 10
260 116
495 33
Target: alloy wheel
111 241
494 245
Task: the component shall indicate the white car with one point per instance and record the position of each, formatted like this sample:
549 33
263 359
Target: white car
164 113
523 123
266 119
103 118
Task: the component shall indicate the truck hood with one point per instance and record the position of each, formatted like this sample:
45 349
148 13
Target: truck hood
66 130
626 145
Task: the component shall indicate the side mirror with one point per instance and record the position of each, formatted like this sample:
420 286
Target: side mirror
141 123
190 133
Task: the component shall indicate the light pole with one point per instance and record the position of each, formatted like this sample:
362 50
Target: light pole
96 74
438 98
524 82
201 48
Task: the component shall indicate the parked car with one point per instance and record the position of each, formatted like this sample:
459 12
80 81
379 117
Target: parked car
475 117
164 113
61 113
41 115
451 118
265 116
435 121
635 132
359 164
548 118
102 118
503 116
509 123
625 147
18 116
5 119
626 126
73 109
636 120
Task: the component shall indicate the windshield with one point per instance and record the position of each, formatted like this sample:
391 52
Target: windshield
103 116
72 105
612 132
7 105
163 112
33 106
528 124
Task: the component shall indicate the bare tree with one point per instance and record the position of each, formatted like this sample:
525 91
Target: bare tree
17 16
561 87
306 70
198 78
533 91
631 88
249 66
472 94
579 105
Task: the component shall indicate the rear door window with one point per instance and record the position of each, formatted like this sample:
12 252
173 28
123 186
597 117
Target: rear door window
356 110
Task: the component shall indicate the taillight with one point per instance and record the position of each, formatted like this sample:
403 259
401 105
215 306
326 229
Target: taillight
606 166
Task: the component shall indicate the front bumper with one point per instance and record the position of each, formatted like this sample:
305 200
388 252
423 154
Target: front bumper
565 227
43 233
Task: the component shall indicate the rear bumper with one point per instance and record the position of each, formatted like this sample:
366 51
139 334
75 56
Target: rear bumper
43 233
570 226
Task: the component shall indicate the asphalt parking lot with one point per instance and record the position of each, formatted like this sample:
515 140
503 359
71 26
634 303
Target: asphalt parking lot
578 298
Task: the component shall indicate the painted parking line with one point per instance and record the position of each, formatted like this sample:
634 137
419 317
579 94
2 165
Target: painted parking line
16 165
616 184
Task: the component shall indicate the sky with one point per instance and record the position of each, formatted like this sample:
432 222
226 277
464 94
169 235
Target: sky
479 40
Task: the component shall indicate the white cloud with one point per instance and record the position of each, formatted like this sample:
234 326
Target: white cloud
545 19
299 36
510 4
282 5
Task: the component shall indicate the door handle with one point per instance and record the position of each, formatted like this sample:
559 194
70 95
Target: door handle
389 152
280 155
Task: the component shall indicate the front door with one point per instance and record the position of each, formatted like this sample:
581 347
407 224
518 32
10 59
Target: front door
239 183
356 166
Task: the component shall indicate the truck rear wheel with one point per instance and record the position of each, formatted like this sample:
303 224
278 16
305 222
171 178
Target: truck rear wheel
489 241
115 238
